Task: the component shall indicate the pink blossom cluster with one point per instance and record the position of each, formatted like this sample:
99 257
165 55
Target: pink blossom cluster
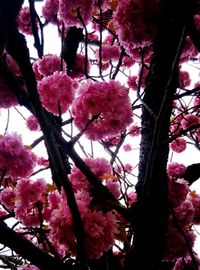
15 159
50 10
189 51
69 11
108 102
178 145
190 120
184 79
28 267
178 190
57 92
24 21
110 52
102 169
48 65
180 221
133 81
186 263
7 97
175 170
134 130
137 15
99 167
23 198
100 227
195 199
32 123
132 198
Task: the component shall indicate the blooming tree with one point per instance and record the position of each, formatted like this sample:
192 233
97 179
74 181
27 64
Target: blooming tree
119 77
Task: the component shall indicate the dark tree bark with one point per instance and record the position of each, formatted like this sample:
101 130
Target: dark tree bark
150 229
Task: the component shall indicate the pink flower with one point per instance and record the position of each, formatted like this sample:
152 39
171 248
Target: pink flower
32 123
99 227
184 79
29 192
178 145
109 102
134 130
56 92
190 120
28 267
15 160
99 166
50 10
68 11
110 52
186 263
175 170
127 147
178 191
195 199
184 213
7 198
132 198
114 187
176 243
133 14
24 21
41 161
189 51
128 167
132 82
48 65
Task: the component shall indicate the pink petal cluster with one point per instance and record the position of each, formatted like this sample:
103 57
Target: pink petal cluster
109 102
28 267
140 16
189 51
7 97
127 147
15 159
99 167
176 243
184 79
175 170
56 92
100 227
178 191
186 263
195 199
28 193
114 187
32 123
48 65
128 167
178 145
24 21
110 52
132 198
50 10
134 130
68 11
7 198
190 120
180 233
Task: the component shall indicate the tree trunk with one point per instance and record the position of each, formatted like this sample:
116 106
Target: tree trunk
150 229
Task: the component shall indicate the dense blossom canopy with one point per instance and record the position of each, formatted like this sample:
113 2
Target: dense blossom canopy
81 192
